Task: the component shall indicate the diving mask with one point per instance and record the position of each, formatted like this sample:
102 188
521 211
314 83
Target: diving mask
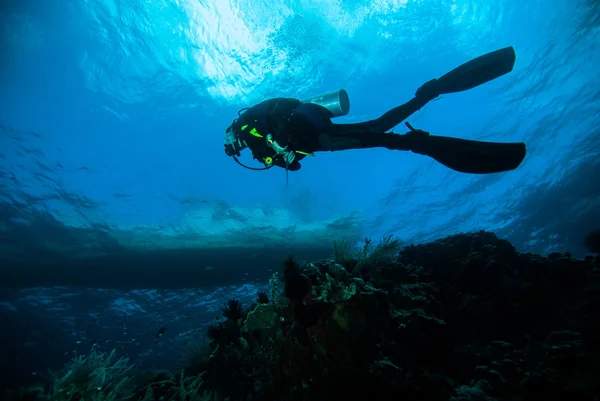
233 144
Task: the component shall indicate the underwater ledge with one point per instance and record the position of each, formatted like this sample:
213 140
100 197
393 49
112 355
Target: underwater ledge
466 317
155 268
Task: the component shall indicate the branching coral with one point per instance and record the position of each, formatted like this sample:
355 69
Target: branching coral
97 376
232 310
345 253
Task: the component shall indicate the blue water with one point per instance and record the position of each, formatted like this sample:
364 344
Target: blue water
113 115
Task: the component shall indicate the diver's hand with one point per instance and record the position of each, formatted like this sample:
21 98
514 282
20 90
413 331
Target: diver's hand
429 90
280 150
289 157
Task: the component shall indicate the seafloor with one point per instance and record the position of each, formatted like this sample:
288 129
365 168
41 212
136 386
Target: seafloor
466 317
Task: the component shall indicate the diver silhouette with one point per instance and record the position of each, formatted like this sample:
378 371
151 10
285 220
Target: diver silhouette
282 131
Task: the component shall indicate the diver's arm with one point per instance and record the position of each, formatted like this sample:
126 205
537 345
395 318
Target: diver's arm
294 166
268 157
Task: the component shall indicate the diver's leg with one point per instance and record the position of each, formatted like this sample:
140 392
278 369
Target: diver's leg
357 139
395 116
474 157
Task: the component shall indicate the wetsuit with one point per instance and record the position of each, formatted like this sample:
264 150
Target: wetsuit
307 128
282 131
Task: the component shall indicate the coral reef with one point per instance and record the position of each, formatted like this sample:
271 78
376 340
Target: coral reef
466 317
97 376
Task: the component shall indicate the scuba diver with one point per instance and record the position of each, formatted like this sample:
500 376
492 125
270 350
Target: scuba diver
282 131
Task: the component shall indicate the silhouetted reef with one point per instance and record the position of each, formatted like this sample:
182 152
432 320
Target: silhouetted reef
466 317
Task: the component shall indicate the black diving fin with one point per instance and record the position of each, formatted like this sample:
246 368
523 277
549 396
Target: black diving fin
467 156
473 73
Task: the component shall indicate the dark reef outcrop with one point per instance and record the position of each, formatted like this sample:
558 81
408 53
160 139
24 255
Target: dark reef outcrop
466 317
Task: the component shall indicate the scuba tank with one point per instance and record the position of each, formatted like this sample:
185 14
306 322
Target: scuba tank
337 102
